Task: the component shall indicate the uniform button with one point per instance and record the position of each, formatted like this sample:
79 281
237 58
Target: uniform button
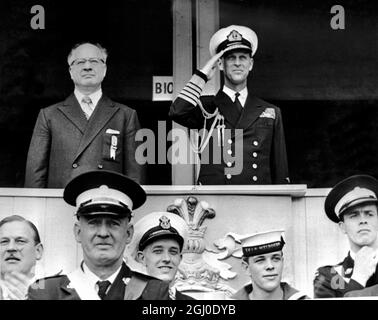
228 176
229 164
75 165
229 151
254 154
100 166
254 166
254 178
255 143
229 141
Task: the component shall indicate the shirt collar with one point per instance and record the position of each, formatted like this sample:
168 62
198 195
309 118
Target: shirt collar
95 96
231 94
92 278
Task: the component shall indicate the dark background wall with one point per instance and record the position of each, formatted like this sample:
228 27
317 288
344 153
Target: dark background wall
325 81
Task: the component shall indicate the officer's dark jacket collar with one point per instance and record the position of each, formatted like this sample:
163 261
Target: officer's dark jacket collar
155 289
116 291
252 109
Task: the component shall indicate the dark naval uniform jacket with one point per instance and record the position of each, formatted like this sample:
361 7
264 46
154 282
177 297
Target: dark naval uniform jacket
263 141
65 144
335 281
58 288
289 293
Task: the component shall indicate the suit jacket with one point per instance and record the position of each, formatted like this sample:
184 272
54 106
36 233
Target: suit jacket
335 281
262 142
58 288
65 144
289 293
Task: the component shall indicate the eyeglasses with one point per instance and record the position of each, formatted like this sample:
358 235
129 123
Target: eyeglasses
92 62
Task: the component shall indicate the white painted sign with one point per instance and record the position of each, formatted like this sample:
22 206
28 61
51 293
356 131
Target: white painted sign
162 88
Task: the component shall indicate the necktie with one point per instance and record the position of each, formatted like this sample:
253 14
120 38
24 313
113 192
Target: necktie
237 103
102 287
87 106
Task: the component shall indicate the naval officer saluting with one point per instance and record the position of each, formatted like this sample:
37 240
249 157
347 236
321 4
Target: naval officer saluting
104 201
244 141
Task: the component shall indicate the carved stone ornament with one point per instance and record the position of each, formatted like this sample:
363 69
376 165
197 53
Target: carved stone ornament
200 269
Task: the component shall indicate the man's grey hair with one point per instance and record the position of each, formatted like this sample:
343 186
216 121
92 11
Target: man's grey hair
99 46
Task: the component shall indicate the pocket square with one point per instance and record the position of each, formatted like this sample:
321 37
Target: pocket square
268 113
112 131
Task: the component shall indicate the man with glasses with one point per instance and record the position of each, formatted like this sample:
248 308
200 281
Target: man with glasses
87 131
20 249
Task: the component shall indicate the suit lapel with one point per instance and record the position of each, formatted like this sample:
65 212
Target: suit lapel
117 290
225 105
251 112
72 110
101 115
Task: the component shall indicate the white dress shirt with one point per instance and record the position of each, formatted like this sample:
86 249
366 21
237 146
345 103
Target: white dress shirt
92 278
95 97
231 93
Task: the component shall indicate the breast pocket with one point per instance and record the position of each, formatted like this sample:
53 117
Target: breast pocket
111 146
263 122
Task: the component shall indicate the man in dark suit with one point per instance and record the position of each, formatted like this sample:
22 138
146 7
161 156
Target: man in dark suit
247 144
157 246
104 201
352 204
87 131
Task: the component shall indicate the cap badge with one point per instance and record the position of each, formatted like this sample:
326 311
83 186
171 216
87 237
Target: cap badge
164 222
234 36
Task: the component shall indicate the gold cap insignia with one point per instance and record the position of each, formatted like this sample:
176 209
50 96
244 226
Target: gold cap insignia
234 36
164 222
